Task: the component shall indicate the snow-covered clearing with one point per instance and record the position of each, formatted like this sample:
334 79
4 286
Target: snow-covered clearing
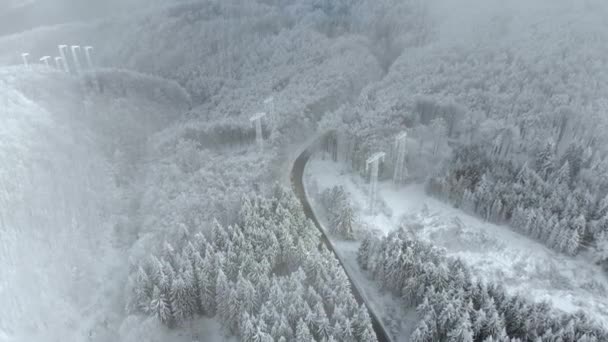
398 322
494 252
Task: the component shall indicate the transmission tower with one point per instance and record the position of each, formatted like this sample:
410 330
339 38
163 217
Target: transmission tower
372 167
64 59
24 56
87 52
400 149
257 121
75 49
271 118
45 60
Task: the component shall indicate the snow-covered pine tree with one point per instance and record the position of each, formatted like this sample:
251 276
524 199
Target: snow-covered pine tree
303 333
573 242
562 176
545 159
161 307
142 290
246 329
461 332
222 293
363 251
344 221
363 325
180 300
496 211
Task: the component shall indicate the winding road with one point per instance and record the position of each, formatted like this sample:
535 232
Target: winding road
297 183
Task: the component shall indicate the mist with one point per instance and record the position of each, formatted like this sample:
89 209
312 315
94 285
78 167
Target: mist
303 170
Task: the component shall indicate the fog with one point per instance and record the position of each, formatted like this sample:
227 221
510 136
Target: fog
303 170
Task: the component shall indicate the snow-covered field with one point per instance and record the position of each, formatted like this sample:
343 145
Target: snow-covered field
494 252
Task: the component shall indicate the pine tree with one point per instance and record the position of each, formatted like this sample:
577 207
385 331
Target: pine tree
530 222
180 300
553 241
246 294
573 242
562 177
362 323
545 160
246 330
496 210
493 324
364 251
143 289
461 332
344 222
303 333
160 307
518 220
347 332
421 334
323 327
207 283
574 156
222 295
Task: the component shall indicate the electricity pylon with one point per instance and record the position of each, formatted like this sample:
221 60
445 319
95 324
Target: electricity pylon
24 56
77 66
45 60
87 53
59 63
64 60
269 108
372 167
400 150
257 121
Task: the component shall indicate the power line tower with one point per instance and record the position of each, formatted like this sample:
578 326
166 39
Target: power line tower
372 167
271 117
26 63
75 49
257 121
87 52
64 59
58 63
269 107
400 149
45 60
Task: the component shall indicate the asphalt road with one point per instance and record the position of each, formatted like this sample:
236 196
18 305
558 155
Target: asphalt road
297 183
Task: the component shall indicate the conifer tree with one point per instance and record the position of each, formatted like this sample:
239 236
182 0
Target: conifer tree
180 300
160 306
303 333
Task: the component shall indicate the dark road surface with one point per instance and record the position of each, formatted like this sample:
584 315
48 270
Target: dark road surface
297 182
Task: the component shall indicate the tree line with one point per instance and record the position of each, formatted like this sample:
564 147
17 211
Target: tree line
454 307
265 278
545 199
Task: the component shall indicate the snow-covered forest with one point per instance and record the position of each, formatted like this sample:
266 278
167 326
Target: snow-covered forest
140 202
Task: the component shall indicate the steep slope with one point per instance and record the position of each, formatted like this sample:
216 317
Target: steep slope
68 158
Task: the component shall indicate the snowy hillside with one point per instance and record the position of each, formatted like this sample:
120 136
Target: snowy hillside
139 202
60 256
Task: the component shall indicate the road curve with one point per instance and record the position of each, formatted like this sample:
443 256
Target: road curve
297 183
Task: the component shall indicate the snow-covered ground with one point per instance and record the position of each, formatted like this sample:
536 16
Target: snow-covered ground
397 320
494 252
68 161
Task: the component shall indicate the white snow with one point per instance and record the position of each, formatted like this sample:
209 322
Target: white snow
494 252
64 157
